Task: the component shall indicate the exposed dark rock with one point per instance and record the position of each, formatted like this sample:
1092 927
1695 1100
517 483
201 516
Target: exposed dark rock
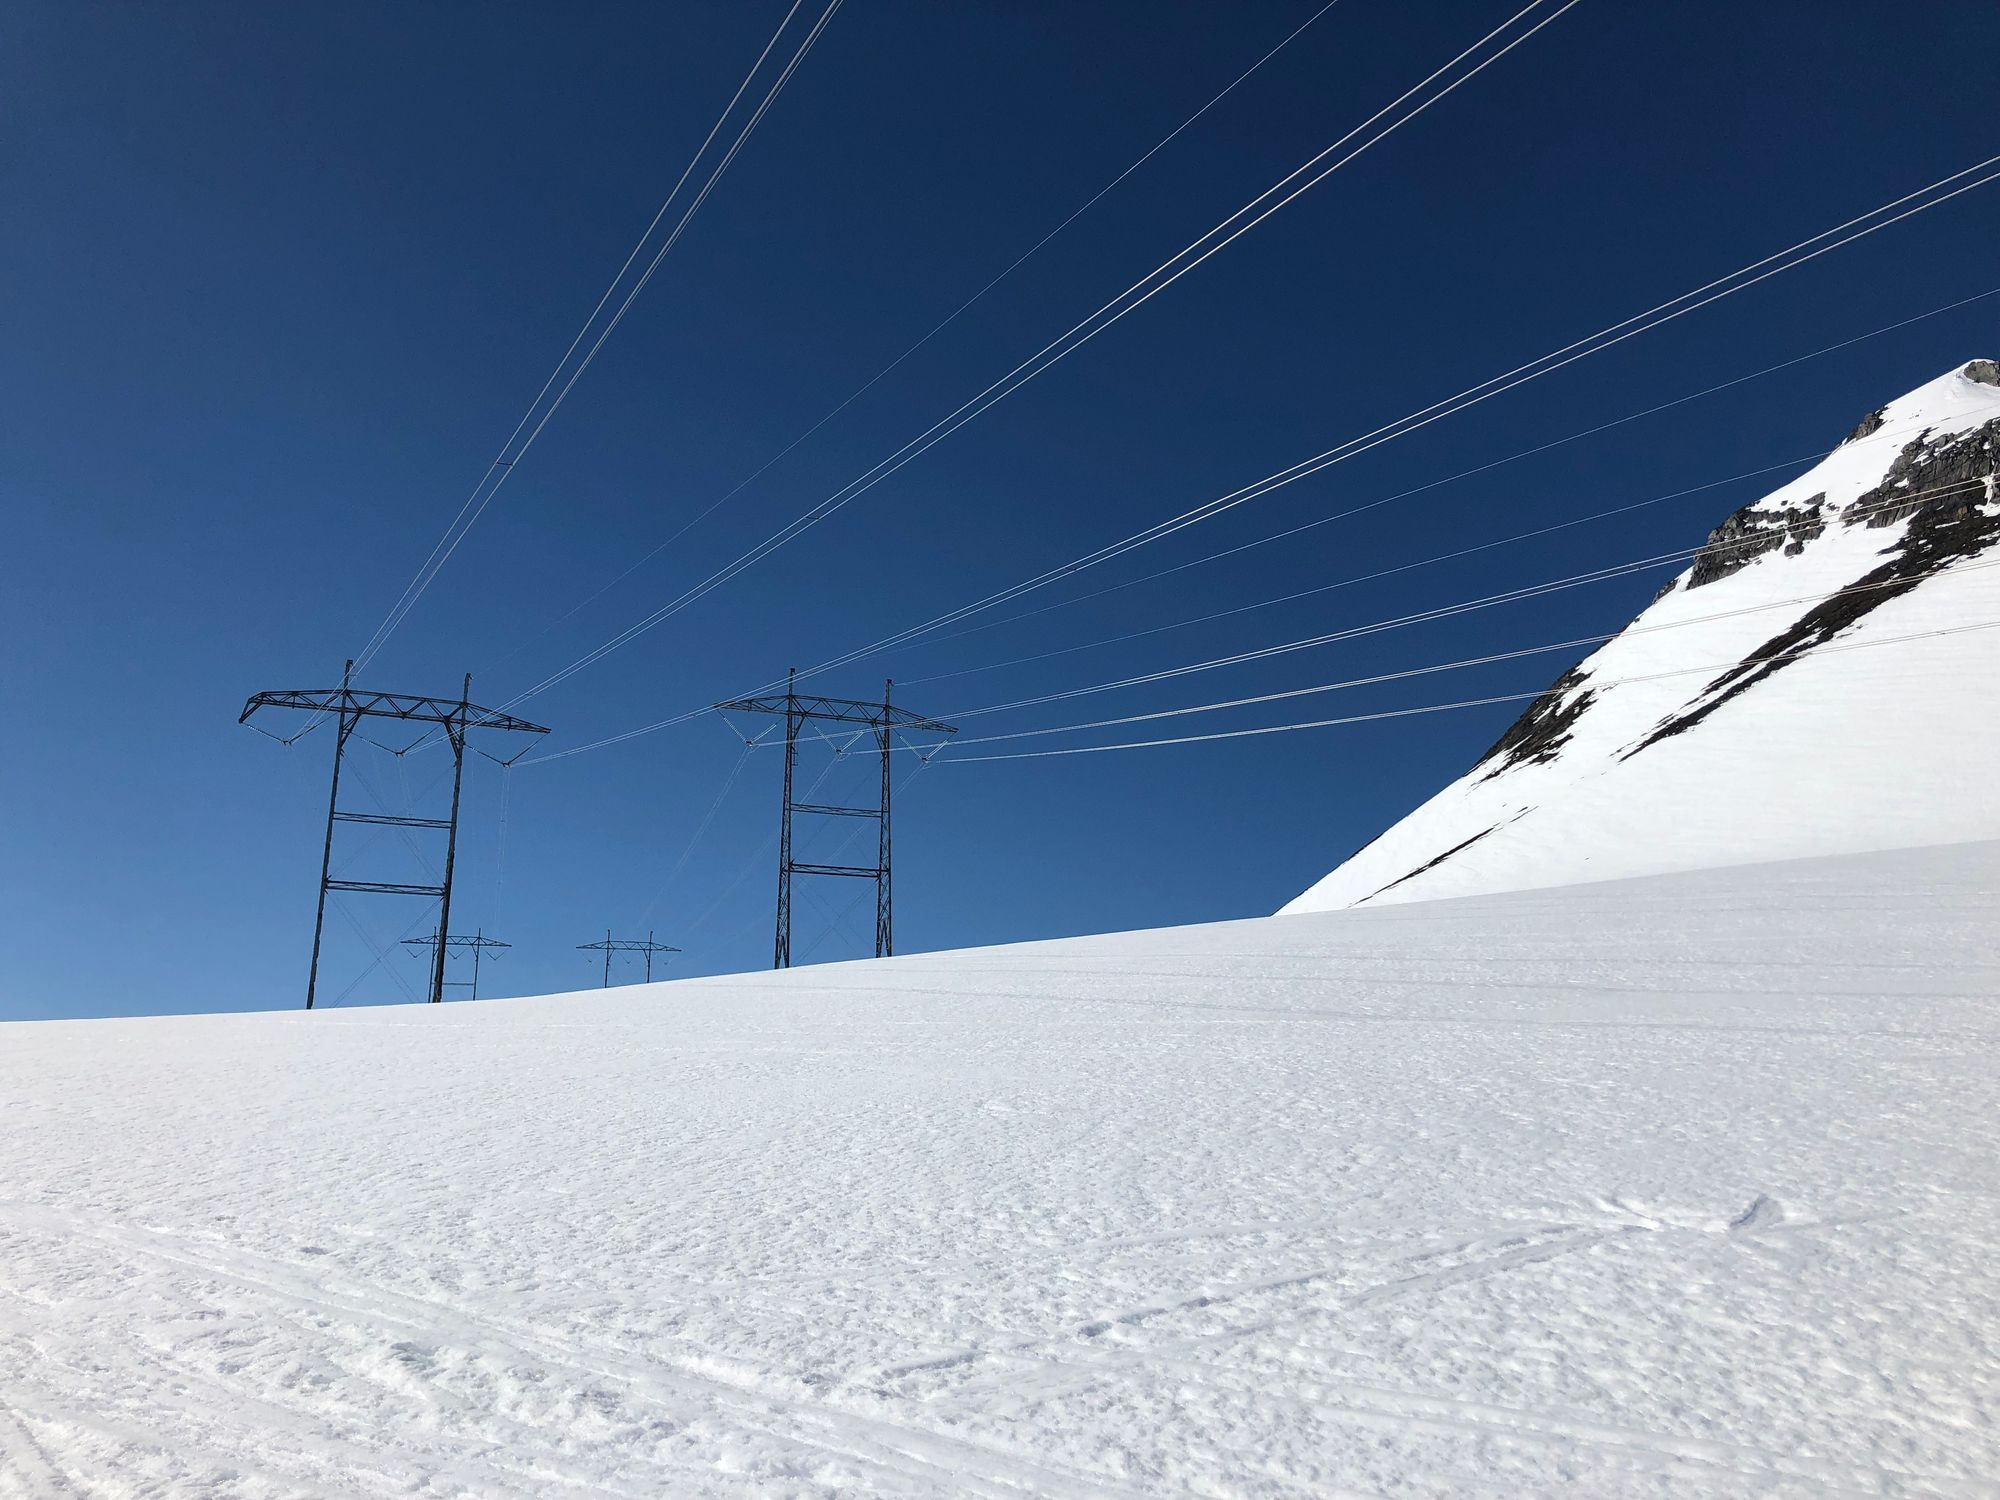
1954 470
1951 481
1750 533
1944 530
1544 729
1867 426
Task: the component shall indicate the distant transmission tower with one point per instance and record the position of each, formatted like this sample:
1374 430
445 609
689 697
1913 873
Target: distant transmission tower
477 944
350 705
612 945
882 718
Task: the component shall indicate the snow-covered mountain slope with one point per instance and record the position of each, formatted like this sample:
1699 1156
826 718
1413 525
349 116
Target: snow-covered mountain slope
1822 680
1669 1187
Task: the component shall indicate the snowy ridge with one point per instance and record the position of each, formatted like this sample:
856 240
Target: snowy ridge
1636 763
1656 1188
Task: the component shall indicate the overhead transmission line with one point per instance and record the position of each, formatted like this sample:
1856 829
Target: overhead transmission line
1487 467
1435 708
1740 280
1736 281
1487 659
1441 612
687 849
515 448
1255 212
1680 554
762 852
1963 487
1968 487
953 316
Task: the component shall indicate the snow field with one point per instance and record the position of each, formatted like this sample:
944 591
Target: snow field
1675 1186
1870 742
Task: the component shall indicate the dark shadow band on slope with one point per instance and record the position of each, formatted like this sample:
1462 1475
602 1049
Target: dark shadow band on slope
1437 859
1429 864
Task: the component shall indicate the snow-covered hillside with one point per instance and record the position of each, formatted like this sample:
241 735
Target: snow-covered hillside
1654 1188
1822 680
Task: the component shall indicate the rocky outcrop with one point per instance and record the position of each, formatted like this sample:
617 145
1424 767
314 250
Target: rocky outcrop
1948 483
1944 473
1946 528
1544 729
1750 533
1849 748
1868 426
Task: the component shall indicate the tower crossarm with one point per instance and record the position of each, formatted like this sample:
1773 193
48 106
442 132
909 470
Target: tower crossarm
839 710
359 702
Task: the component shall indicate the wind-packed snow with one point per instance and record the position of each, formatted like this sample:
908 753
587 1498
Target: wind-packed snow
1882 737
1675 1186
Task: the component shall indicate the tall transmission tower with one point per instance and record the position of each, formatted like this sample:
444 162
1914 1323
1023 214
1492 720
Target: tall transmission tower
612 945
884 719
476 944
350 705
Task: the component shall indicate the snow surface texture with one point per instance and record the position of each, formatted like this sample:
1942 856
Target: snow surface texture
1836 750
1664 1187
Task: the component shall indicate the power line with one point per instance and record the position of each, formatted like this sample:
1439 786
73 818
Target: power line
953 316
1474 472
1435 708
1447 611
1380 573
1605 338
1547 364
694 838
1396 622
1488 659
502 466
758 856
1076 337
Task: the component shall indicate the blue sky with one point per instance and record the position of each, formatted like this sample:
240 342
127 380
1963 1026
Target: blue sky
279 280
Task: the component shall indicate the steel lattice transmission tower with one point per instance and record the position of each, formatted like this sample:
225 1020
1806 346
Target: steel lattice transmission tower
612 945
350 705
476 944
883 719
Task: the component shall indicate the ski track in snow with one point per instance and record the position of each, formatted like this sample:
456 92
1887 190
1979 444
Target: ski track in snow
1683 1185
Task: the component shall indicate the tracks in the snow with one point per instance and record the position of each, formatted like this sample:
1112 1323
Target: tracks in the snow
777 1409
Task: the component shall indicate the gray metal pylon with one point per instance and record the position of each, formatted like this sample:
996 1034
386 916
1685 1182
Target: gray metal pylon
612 945
348 706
883 719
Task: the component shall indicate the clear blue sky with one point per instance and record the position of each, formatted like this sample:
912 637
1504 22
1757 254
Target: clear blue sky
278 280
